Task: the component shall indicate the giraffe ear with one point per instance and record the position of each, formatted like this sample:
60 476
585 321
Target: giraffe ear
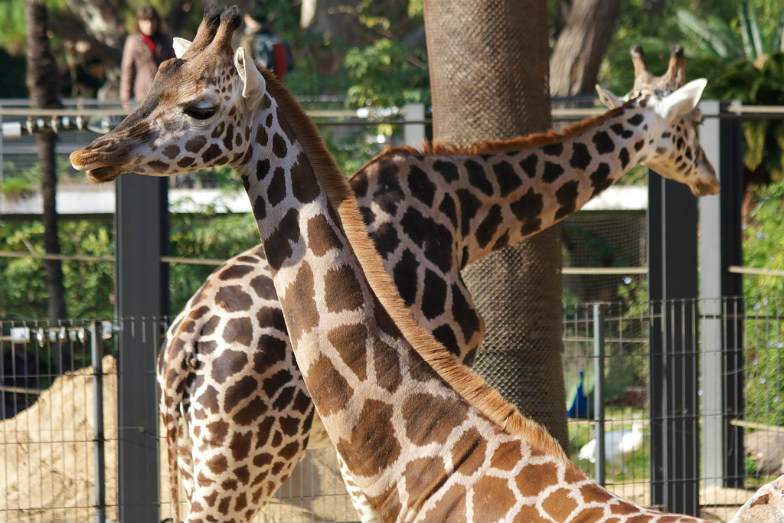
252 81
180 46
607 98
682 100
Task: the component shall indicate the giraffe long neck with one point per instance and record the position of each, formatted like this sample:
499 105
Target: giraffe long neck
515 194
487 200
380 402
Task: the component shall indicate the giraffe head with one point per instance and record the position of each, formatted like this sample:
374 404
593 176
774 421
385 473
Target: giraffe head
196 114
672 148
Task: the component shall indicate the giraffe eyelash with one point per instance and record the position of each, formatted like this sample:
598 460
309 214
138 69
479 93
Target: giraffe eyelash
200 110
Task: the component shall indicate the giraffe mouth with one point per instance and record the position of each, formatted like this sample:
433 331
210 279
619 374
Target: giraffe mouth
102 174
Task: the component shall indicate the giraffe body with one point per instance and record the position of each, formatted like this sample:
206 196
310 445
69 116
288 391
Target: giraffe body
423 437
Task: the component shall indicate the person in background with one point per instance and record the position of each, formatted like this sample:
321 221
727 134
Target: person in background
143 53
264 45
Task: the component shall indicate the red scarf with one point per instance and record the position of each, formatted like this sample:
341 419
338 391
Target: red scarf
149 42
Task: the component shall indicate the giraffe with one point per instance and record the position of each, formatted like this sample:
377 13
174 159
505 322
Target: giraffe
422 436
373 185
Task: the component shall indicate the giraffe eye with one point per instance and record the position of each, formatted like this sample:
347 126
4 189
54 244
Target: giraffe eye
200 111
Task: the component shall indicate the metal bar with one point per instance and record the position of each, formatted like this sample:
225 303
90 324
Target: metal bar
736 269
96 346
414 133
598 390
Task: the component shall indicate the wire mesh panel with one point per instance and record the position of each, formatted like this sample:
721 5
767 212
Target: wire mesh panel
48 434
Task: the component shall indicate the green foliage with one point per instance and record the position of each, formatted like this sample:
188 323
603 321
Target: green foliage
762 245
88 285
16 187
383 75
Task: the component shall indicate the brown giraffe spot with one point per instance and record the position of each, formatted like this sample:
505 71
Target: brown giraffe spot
284 398
451 506
304 184
646 518
212 152
279 147
590 515
277 244
223 507
506 456
264 288
196 507
238 330
423 476
249 414
273 384
240 445
242 389
205 347
218 464
271 350
277 439
185 161
532 479
342 290
370 449
289 451
326 384
171 151
289 425
241 502
235 272
529 514
228 136
195 144
418 369
468 453
261 135
559 505
612 520
302 403
387 504
430 419
593 493
387 366
209 326
299 303
217 431
229 484
271 317
261 460
230 363
349 342
242 474
158 165
285 126
276 468
203 480
492 499
622 507
383 320
209 400
218 130
572 474
233 298
321 237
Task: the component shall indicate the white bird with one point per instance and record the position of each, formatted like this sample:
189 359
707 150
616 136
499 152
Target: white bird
618 445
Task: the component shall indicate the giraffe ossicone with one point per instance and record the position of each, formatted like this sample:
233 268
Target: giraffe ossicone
423 437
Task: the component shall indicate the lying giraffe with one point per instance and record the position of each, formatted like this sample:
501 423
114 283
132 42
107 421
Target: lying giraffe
423 437
397 193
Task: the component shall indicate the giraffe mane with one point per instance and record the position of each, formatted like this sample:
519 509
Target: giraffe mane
513 144
462 379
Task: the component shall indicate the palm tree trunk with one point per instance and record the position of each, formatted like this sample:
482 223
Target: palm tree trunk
489 80
43 88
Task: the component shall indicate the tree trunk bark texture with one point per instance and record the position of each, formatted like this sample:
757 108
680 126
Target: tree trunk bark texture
42 85
489 80
578 51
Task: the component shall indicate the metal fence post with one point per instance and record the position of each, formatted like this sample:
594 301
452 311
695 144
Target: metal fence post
142 293
598 390
721 340
672 270
96 346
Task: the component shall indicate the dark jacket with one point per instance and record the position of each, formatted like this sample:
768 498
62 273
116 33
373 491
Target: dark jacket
139 65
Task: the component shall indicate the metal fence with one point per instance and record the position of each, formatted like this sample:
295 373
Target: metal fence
60 443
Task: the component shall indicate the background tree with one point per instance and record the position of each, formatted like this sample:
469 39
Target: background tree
43 88
489 80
